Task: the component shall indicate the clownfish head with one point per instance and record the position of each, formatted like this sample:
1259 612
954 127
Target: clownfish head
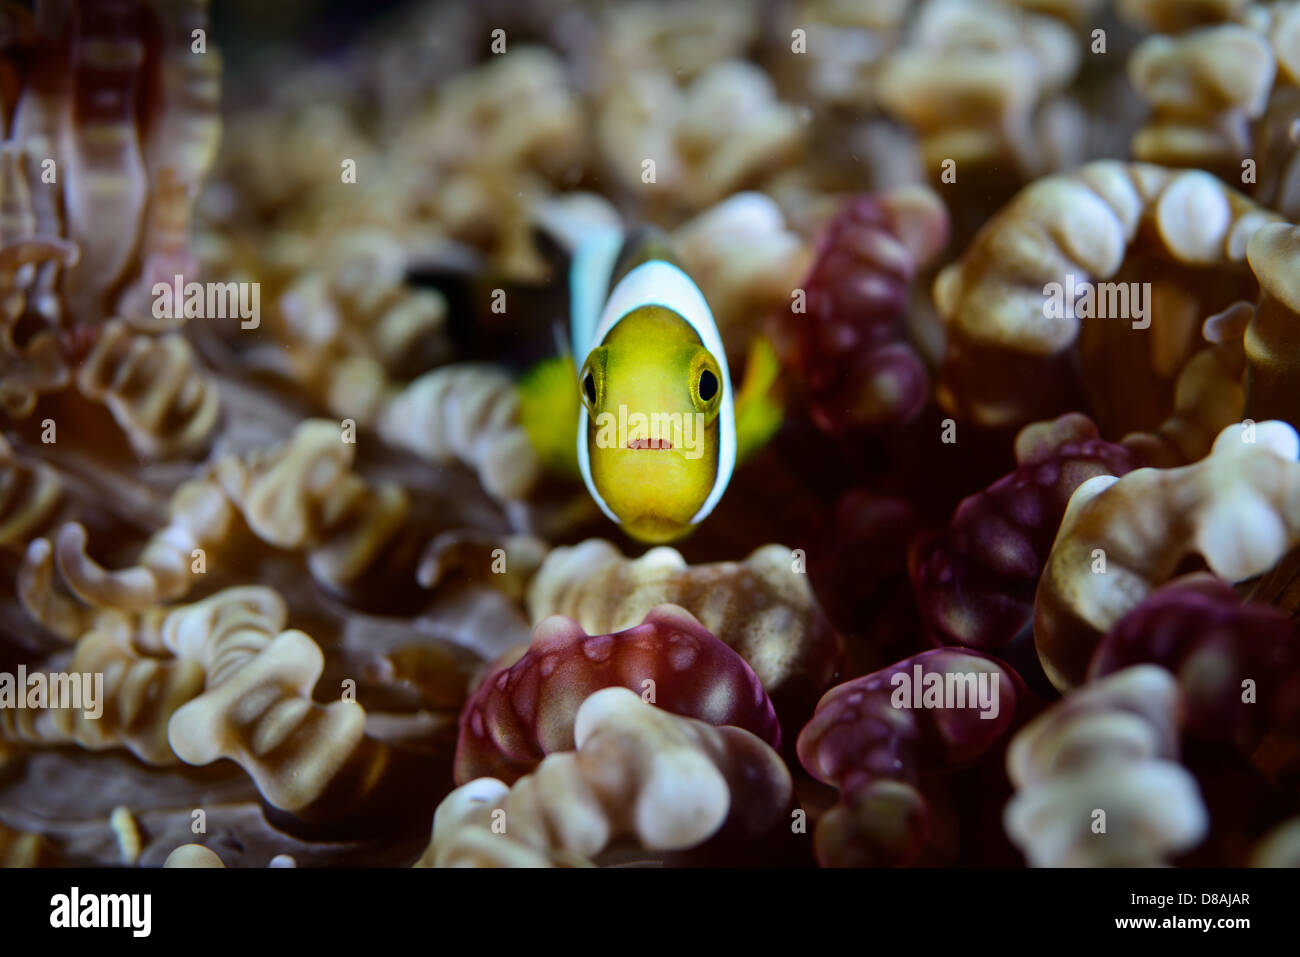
653 396
656 441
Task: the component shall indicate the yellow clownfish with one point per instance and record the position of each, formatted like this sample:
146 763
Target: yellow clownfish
656 440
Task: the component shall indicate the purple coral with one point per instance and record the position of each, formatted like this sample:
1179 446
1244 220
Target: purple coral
525 712
1199 629
848 348
975 582
876 736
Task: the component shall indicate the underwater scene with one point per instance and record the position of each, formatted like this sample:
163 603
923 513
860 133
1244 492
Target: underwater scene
661 433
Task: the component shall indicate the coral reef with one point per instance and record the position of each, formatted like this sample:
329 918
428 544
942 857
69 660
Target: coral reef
297 554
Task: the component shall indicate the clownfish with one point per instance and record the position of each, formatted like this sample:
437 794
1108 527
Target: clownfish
639 400
656 436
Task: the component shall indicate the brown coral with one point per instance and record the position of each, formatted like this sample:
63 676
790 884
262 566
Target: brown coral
1098 779
140 693
112 134
846 43
638 773
465 413
1209 395
299 495
970 78
1120 539
1204 87
719 134
256 706
1271 336
358 327
746 261
155 388
30 495
1006 346
763 607
31 254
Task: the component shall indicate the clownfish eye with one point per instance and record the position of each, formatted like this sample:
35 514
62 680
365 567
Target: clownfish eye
705 383
708 386
592 381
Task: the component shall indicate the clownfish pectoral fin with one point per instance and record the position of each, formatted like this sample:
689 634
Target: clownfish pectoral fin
548 411
758 410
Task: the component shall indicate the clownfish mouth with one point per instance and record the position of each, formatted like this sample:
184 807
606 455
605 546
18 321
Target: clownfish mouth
649 444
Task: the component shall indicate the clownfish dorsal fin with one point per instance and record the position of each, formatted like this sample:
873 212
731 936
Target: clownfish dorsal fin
603 258
589 282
